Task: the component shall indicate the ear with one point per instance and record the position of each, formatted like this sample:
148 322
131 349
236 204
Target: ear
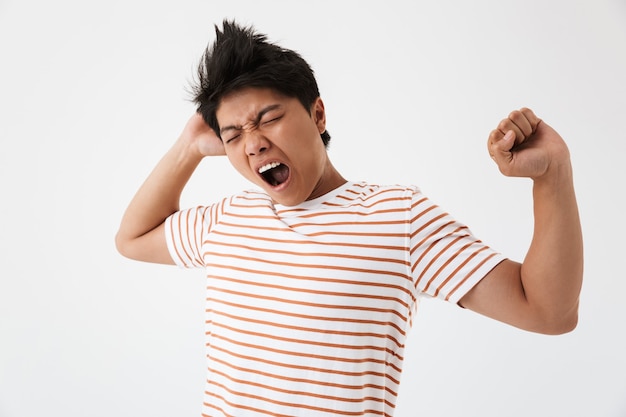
319 114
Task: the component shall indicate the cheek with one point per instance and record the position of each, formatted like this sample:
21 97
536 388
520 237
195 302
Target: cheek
231 157
239 163
302 139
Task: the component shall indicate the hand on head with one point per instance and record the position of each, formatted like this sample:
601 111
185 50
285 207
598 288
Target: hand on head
202 137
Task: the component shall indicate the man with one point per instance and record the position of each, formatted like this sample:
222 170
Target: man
312 279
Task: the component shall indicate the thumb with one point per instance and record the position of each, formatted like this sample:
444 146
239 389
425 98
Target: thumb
502 148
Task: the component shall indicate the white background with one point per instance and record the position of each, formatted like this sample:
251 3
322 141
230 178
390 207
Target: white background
93 93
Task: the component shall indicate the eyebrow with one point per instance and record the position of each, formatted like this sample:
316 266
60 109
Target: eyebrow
256 121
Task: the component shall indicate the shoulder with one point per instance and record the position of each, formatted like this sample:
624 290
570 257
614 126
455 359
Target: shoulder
388 193
248 199
244 203
212 213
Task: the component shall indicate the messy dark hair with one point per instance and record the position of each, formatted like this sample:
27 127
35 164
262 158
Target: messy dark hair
240 57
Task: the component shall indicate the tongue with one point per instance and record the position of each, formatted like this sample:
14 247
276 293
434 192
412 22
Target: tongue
280 174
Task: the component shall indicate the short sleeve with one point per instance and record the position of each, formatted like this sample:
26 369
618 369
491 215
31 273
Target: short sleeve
447 260
185 231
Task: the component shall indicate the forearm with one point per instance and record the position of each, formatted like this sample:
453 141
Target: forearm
553 268
159 195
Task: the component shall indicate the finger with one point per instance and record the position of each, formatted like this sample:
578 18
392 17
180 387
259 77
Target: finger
507 124
520 120
500 146
531 117
494 137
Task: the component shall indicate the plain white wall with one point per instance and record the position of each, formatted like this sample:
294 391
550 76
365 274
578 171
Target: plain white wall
93 93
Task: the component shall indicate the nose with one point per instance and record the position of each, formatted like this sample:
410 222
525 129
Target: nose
256 144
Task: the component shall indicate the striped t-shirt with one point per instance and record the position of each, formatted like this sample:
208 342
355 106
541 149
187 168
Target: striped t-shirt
308 307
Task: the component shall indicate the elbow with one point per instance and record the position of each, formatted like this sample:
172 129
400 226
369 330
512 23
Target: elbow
122 246
560 324
563 326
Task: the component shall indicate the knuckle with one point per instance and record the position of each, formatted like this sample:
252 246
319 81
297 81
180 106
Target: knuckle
516 116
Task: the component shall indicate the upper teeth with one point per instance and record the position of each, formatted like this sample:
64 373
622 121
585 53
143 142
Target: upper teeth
268 166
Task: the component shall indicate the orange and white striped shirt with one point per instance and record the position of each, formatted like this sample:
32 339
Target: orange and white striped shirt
308 307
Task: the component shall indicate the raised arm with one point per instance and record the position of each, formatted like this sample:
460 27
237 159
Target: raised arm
541 294
141 234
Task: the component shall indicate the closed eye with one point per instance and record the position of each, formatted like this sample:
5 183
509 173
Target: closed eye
265 122
232 138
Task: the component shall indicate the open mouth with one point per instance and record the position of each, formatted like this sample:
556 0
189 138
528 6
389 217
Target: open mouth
274 173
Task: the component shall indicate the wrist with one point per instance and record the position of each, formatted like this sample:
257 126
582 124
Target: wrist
557 180
187 151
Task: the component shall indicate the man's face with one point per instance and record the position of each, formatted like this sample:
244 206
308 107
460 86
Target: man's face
274 142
